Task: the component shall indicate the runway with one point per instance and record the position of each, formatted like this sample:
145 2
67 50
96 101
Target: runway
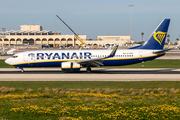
44 74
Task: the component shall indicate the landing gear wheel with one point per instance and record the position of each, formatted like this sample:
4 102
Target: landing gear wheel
22 70
88 69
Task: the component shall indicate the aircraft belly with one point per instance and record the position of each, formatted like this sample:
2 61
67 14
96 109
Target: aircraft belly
120 62
42 64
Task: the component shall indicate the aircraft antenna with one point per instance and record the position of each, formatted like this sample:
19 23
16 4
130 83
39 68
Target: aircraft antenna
76 35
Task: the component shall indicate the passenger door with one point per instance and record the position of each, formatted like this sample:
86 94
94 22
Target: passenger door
140 55
25 57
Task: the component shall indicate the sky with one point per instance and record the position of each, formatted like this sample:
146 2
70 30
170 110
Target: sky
93 17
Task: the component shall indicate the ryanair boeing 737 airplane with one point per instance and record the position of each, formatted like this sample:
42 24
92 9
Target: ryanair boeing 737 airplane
76 59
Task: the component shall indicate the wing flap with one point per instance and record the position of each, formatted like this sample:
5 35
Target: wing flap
92 62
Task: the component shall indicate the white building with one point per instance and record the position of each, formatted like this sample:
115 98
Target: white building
35 35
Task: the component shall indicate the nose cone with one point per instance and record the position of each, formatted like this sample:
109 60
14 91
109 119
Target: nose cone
8 61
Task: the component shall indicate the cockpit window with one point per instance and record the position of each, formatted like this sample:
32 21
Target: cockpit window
14 56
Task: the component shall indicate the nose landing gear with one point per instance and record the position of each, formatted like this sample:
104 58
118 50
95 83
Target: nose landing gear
22 70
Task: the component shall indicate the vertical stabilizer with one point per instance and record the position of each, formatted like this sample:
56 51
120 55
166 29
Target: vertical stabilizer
158 37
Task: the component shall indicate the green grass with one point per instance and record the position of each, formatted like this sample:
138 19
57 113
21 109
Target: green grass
4 65
169 63
159 63
89 100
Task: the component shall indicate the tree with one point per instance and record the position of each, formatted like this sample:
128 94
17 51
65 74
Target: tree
142 36
168 40
177 40
168 36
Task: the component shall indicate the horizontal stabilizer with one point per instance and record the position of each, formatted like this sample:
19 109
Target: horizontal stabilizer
161 51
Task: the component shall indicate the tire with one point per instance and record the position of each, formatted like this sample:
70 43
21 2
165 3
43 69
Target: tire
88 69
22 70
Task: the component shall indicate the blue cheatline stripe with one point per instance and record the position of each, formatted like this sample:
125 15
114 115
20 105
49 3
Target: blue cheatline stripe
106 62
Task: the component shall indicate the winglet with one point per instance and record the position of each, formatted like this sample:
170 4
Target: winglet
113 52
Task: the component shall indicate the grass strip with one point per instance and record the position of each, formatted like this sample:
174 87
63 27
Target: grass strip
90 84
159 63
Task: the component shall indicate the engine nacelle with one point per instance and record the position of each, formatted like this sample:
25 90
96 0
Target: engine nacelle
70 66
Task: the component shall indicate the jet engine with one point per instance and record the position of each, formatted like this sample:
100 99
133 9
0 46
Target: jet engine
70 66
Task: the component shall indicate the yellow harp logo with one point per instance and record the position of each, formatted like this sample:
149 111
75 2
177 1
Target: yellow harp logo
159 36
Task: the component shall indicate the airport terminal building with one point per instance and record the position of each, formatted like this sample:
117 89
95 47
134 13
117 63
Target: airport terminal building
35 35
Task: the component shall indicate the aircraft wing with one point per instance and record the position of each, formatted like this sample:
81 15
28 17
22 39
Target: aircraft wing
161 51
96 62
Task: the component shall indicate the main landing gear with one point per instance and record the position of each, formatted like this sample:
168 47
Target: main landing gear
88 69
22 70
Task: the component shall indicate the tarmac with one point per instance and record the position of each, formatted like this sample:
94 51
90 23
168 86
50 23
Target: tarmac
12 74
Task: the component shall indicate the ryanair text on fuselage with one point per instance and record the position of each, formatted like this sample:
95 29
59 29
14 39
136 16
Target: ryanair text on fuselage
74 55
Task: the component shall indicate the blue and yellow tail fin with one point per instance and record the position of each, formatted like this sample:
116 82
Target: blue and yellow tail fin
158 37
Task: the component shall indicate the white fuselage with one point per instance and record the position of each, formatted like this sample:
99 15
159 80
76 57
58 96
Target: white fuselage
54 58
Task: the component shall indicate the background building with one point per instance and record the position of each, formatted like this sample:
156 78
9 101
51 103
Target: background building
35 35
